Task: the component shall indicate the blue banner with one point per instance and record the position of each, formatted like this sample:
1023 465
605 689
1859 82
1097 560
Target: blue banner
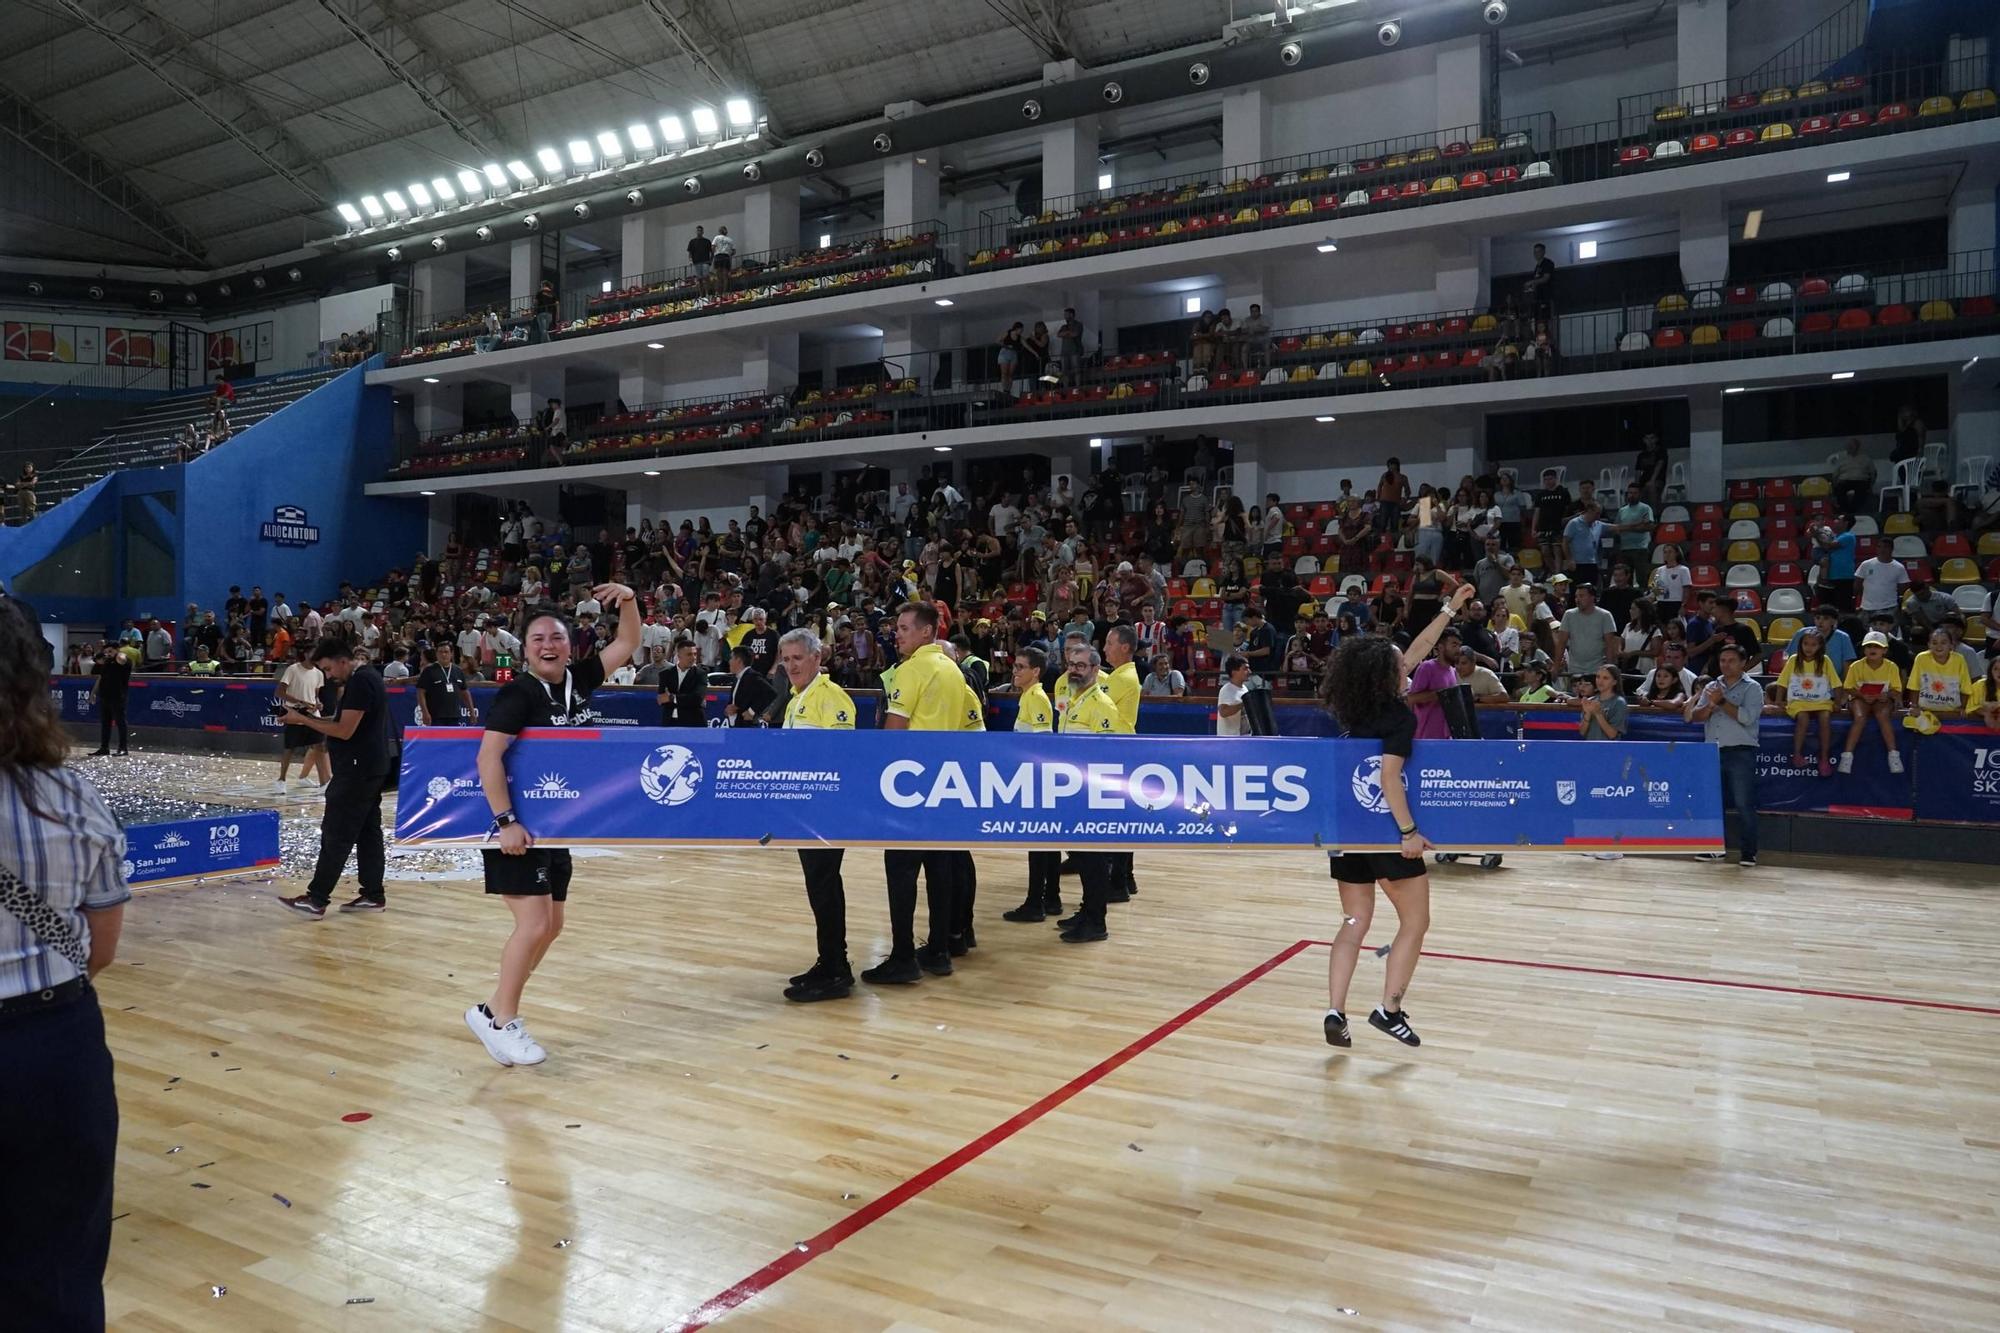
194 848
660 787
1958 774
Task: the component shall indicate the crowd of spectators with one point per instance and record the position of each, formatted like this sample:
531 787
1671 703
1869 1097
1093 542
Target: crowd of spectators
352 348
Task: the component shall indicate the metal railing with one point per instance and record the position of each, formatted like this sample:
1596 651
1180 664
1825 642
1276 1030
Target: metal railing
859 250
1912 301
1822 46
1788 94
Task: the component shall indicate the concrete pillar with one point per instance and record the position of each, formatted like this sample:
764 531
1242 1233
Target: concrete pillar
1461 451
1973 223
1975 424
1704 237
772 363
1252 479
1246 130
524 261
1461 82
643 246
438 285
1069 160
1701 31
1464 271
1704 462
909 191
907 340
770 218
644 381
438 407
437 521
532 391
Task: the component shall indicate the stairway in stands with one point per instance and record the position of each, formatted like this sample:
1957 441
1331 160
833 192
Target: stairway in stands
148 437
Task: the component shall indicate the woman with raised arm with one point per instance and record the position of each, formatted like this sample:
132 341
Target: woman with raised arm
1364 688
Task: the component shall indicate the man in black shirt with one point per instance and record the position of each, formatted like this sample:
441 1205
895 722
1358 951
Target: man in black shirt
752 692
1541 279
257 615
110 690
1551 505
683 689
442 687
762 641
550 690
357 746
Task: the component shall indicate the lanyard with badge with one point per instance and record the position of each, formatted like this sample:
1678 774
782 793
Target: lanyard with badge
569 700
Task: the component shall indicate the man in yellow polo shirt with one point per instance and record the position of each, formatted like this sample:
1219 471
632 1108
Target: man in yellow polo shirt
1121 646
929 694
1035 715
816 703
1092 711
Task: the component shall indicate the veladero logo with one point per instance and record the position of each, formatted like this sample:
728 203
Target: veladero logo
288 527
552 787
171 841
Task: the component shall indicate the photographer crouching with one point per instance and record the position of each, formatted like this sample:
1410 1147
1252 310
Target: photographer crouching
357 742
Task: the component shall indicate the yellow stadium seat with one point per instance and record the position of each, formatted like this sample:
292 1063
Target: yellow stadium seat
1671 302
1485 144
1253 566
1705 335
1772 96
1244 215
1957 570
1813 88
1394 160
1357 369
1330 565
1424 155
1484 323
1301 374
1975 629
1936 312
1744 509
1754 628
1815 488
1899 525
1979 99
1097 238
1989 543
1444 185
1343 338
1743 553
1783 628
1170 228
1299 206
1773 133
1202 588
1316 341
1936 106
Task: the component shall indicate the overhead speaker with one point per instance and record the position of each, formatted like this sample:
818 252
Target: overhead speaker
1197 74
1113 94
1495 12
96 293
225 290
882 142
189 297
483 233
692 185
582 211
34 289
257 281
1031 110
635 197
293 274
815 158
532 221
156 296
437 243
1389 33
1290 54
395 253
753 171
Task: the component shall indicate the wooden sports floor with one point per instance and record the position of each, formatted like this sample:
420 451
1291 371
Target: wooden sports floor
1604 1129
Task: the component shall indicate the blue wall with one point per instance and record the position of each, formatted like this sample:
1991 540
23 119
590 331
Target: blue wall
315 455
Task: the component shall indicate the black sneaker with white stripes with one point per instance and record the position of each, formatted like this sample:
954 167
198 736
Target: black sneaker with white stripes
1396 1025
1336 1029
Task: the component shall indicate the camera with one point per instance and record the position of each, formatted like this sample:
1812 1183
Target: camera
882 143
1031 110
815 158
581 210
1495 12
1197 74
692 185
437 242
753 171
1114 93
395 253
635 197
1290 54
1389 33
531 222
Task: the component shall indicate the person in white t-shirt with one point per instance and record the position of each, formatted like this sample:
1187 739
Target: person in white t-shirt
1000 518
300 686
588 606
1229 716
1880 583
1671 580
468 645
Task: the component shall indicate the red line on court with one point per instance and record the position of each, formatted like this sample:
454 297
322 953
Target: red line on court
807 1251
1705 981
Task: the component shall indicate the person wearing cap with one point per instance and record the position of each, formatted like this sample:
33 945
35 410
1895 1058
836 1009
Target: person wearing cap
1874 688
1092 711
1730 709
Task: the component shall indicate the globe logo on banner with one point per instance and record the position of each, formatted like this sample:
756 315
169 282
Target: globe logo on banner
1367 784
125 869
439 788
670 775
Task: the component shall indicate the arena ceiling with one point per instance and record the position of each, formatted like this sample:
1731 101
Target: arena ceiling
213 132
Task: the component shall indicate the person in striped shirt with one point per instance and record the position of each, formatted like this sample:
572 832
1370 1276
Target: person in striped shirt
62 902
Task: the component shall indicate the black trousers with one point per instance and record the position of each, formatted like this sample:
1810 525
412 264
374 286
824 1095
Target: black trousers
352 823
964 888
1045 880
1850 496
1121 871
56 1154
1099 871
827 897
900 867
110 713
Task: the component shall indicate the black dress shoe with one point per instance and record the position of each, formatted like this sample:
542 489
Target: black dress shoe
1117 896
1069 867
895 970
958 947
1069 921
1085 932
935 959
831 983
99 754
971 938
1025 912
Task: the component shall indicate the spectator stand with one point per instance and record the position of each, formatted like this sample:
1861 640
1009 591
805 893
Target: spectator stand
1303 188
458 332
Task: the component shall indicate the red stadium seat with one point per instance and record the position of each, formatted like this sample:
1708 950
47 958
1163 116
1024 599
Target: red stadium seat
1892 316
1855 321
1705 576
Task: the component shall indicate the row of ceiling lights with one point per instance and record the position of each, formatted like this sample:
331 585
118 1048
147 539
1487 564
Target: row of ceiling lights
703 129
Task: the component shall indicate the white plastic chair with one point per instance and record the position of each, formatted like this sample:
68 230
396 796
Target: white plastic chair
1864 525
1971 598
1785 602
1932 461
1909 546
1743 576
1677 485
1353 583
1745 530
1972 475
1675 513
1612 480
1903 487
1306 566
1196 568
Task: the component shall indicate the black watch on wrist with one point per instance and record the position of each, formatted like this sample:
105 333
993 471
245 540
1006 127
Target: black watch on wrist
503 819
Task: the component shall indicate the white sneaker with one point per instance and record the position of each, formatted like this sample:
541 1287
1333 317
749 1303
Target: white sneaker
1847 761
282 787
523 1049
489 1036
1895 761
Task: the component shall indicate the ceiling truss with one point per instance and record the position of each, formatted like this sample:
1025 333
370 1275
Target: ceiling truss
418 67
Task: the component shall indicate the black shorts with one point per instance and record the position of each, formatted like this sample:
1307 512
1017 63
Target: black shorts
1367 867
301 738
537 872
722 263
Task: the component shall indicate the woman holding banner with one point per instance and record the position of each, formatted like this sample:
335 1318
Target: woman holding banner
1364 688
552 691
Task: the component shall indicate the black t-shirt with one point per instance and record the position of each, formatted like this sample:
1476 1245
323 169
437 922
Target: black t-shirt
1551 508
699 249
763 646
440 686
114 676
529 701
260 609
1395 726
368 747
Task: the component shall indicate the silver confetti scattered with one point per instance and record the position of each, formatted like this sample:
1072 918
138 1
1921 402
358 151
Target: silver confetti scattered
282 1199
173 1150
848 1195
1135 1147
1349 921
802 1247
1347 1309
218 1291
562 1244
360 1300
499 1180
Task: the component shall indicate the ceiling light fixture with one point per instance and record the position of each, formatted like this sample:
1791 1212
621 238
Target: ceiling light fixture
1327 247
641 137
372 205
943 301
496 175
1097 441
656 347
419 196
739 111
1586 249
349 214
1843 375
1325 421
825 240
940 448
609 145
519 171
430 379
1836 177
426 492
550 159
441 187
652 472
1753 223
705 121
580 153
672 129
394 199
1734 388
468 181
